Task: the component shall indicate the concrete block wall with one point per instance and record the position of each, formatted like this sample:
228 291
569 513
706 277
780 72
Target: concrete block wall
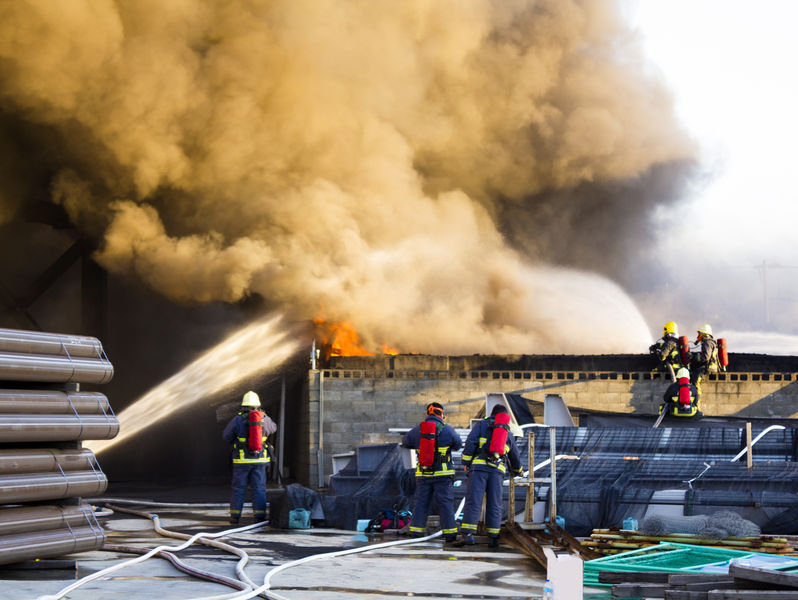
360 405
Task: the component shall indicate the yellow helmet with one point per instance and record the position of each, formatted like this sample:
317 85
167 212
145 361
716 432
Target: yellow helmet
251 399
670 327
705 330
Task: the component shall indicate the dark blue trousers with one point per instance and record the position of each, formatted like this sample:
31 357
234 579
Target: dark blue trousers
437 488
254 476
479 484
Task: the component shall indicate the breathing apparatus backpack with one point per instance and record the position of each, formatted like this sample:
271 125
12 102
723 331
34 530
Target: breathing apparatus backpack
428 455
498 436
255 430
723 354
684 349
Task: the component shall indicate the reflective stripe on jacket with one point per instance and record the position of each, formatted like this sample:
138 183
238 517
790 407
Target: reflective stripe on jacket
475 454
448 440
237 433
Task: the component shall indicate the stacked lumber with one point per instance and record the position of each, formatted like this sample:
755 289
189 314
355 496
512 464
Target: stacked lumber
741 583
613 541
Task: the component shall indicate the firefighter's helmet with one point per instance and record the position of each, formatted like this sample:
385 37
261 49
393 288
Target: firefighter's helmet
251 399
683 373
435 408
670 328
705 330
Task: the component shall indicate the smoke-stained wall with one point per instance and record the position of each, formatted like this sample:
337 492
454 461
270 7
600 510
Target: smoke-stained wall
445 175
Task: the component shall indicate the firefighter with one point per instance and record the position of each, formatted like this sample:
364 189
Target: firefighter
681 397
434 480
666 349
485 473
248 433
706 359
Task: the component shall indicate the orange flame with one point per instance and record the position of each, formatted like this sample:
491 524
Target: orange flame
340 338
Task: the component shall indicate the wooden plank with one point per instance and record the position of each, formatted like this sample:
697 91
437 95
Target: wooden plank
685 595
753 595
708 586
632 577
687 578
781 578
639 590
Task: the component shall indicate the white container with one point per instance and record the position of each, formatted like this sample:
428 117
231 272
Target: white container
565 571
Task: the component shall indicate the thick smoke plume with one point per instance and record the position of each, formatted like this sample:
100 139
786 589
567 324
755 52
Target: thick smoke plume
414 167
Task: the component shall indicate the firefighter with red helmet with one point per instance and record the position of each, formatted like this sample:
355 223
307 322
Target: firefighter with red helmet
434 442
486 466
248 432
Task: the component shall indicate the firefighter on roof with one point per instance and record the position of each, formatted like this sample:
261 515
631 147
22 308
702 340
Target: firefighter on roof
681 397
488 450
248 432
434 442
666 349
706 359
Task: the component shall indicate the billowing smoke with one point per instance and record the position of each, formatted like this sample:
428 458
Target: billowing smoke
414 167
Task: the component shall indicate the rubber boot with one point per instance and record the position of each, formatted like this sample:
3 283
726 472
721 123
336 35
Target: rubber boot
466 540
493 541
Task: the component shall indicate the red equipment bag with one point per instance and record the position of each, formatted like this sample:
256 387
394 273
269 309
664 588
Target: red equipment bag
426 447
255 439
684 391
684 349
723 353
498 439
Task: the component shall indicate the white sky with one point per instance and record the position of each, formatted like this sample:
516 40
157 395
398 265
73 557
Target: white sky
731 65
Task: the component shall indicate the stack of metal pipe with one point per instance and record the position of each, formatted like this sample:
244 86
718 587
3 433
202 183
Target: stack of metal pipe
41 430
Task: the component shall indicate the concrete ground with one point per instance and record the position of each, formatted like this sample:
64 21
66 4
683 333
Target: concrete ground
424 569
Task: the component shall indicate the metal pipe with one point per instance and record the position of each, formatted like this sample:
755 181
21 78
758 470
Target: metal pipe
49 543
51 486
36 460
53 402
57 428
40 342
54 369
26 519
320 453
281 432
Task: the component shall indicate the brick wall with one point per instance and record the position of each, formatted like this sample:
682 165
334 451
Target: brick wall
361 405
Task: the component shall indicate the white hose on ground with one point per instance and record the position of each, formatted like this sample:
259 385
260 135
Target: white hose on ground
267 579
202 574
104 500
154 551
156 524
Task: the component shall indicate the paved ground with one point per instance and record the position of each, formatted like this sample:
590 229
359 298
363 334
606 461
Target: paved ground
425 569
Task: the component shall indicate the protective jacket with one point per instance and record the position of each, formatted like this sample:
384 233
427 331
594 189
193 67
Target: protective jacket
707 359
674 407
666 349
448 440
237 433
476 455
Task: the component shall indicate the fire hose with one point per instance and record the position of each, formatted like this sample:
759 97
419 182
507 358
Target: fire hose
248 589
156 524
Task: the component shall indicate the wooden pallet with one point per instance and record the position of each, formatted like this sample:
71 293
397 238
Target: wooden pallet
612 541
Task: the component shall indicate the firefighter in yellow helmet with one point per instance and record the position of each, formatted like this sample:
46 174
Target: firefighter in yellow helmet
666 350
706 359
247 432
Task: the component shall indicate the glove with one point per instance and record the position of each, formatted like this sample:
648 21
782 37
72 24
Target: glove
517 472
